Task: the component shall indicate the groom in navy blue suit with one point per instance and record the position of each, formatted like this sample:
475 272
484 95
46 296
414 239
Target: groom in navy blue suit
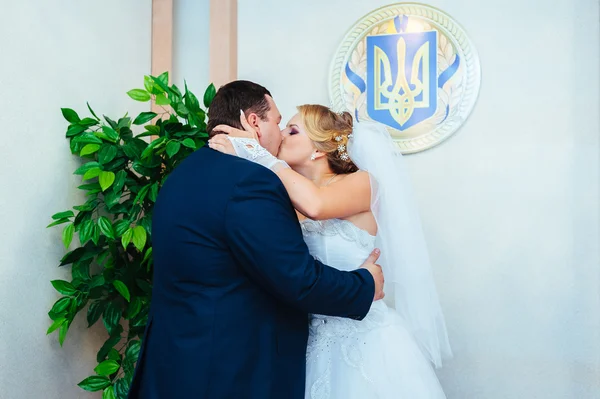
233 279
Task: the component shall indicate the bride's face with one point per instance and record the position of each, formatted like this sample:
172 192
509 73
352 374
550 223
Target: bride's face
296 147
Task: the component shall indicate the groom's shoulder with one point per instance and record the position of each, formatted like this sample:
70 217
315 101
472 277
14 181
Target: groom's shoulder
228 167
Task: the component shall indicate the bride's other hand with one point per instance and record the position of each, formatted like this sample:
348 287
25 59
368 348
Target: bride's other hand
249 132
221 143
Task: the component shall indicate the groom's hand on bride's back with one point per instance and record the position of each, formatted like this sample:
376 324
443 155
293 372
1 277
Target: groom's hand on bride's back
376 272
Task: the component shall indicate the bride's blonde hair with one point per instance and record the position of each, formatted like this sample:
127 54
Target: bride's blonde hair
329 132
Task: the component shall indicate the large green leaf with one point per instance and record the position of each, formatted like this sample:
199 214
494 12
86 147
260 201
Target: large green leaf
94 383
112 123
153 129
107 367
126 239
134 307
142 194
86 167
189 143
70 115
87 122
59 221
124 122
115 165
62 215
87 138
140 320
90 187
173 148
108 134
147 255
86 231
139 95
106 227
56 325
81 270
89 149
182 110
134 149
111 198
107 153
161 99
75 130
120 177
164 78
150 86
175 93
154 144
109 393
153 193
111 317
62 332
143 170
67 236
121 388
114 354
144 117
94 312
122 288
190 100
106 179
121 226
92 173
95 234
133 351
61 305
139 237
209 94
161 83
72 256
102 256
64 287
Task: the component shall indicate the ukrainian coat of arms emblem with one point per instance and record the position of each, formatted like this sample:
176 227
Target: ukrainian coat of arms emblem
410 67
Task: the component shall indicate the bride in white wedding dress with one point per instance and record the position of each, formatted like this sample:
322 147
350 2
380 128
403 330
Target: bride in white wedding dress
351 189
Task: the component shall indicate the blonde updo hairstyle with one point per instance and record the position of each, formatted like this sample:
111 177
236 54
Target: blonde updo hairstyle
329 133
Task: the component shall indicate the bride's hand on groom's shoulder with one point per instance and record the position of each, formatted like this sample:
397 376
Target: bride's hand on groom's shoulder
221 143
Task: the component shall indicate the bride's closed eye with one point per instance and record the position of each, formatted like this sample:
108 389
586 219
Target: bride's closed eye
293 131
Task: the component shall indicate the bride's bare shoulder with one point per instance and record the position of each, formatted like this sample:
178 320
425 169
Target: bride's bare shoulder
360 179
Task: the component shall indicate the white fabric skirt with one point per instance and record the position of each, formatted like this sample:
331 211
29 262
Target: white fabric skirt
373 358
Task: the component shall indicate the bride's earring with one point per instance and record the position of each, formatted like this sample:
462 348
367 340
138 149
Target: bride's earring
313 156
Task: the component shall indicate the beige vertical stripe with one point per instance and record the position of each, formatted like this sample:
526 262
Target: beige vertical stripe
162 39
223 41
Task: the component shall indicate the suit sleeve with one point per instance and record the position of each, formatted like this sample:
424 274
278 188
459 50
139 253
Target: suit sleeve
266 240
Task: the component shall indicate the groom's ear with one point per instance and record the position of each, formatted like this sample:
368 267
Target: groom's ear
253 120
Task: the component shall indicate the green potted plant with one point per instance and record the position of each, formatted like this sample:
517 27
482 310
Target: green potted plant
111 265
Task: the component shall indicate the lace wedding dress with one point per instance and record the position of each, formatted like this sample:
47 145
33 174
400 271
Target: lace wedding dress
373 358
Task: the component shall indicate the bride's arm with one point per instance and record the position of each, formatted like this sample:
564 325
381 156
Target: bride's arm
348 196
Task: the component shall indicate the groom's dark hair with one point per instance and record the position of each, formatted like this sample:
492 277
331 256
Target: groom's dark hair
233 97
